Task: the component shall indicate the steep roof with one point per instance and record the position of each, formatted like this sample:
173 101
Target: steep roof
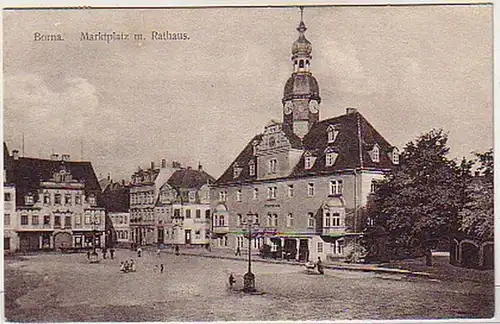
116 197
356 138
188 178
26 174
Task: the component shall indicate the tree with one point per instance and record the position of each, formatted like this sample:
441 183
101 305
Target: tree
477 215
418 202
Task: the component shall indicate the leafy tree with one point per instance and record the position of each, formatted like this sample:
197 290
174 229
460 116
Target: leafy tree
418 202
477 215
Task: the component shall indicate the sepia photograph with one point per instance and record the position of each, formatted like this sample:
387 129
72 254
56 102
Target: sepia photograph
252 163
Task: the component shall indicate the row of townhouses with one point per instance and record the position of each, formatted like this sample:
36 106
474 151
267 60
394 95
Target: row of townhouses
300 185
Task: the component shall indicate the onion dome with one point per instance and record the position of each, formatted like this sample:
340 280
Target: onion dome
302 45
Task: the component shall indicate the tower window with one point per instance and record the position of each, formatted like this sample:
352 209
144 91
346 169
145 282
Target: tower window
375 154
301 64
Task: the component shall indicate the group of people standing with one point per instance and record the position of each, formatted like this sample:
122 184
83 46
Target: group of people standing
127 266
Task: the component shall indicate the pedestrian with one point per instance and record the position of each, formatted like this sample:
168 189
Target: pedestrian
104 253
231 281
177 250
156 267
88 254
132 265
112 253
319 264
126 266
122 266
139 251
161 268
238 251
158 252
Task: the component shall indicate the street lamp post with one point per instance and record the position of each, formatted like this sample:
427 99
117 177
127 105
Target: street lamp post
249 277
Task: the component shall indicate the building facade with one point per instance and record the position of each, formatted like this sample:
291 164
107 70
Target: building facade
115 196
303 181
57 204
183 208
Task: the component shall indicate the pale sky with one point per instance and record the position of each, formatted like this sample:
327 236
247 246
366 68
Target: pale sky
407 69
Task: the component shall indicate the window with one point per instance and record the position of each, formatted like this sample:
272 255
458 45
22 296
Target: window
310 189
6 243
192 196
271 192
92 200
24 219
320 247
328 220
251 168
330 158
336 219
197 235
336 187
222 195
222 221
67 199
373 186
6 219
67 221
238 195
290 191
225 240
395 156
78 199
177 212
289 220
301 64
308 162
375 154
34 220
7 196
310 220
57 199
332 133
256 193
46 198
256 219
239 220
273 164
46 220
198 213
338 247
275 220
28 200
207 214
188 213
269 220
57 220
88 220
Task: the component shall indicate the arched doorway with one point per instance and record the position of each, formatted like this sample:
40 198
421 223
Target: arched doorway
63 239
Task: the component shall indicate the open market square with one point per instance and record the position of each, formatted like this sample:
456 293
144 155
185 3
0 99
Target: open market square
66 287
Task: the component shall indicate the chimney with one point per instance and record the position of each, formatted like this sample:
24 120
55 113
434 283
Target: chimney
163 163
109 176
152 165
349 111
200 167
65 157
54 157
123 182
15 154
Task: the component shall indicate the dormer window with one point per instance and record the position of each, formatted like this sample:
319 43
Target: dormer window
251 168
92 200
236 171
395 156
28 199
308 160
375 153
330 157
332 133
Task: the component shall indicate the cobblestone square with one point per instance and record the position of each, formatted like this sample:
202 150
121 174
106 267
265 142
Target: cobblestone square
57 287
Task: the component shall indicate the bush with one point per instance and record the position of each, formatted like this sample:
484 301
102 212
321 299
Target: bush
355 253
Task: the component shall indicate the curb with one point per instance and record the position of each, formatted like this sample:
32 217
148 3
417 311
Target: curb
326 266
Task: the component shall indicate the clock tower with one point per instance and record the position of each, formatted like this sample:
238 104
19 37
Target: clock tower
301 96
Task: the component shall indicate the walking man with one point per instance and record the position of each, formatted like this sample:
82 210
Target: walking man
161 268
319 264
112 253
177 250
231 281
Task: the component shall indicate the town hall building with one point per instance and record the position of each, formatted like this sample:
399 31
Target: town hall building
303 180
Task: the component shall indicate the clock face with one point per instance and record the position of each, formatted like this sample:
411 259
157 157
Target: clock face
313 106
288 107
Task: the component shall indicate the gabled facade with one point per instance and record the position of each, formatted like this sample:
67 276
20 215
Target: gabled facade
183 208
57 204
116 200
303 180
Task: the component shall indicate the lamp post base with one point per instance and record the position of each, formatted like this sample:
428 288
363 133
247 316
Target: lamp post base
249 283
